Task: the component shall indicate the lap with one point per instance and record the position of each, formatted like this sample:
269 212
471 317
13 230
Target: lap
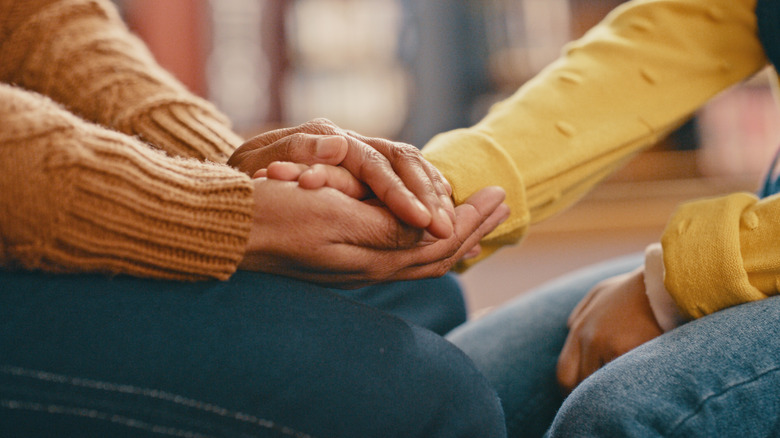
517 346
257 355
715 376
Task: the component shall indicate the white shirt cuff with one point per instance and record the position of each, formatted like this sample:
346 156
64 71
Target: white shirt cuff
664 308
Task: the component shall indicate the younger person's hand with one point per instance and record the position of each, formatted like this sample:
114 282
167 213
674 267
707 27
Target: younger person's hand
336 177
612 319
316 176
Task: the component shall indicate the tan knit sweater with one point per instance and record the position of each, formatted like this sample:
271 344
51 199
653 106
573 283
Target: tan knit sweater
108 163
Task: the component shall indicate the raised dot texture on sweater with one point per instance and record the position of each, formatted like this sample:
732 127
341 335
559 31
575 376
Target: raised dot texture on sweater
565 128
750 220
648 76
682 226
571 78
641 24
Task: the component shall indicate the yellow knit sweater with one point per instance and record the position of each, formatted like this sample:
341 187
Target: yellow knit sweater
109 164
627 83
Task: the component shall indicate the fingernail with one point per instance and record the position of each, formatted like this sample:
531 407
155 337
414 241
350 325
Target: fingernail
422 208
328 147
505 212
473 252
444 214
448 206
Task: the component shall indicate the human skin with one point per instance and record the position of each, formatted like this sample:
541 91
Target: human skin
348 236
414 190
613 318
344 242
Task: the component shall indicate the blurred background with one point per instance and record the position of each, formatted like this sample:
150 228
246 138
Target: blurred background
408 69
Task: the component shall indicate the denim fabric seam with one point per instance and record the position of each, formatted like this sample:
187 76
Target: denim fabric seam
156 394
673 430
101 416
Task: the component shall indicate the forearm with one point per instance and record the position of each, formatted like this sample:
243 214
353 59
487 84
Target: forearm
79 53
626 84
79 198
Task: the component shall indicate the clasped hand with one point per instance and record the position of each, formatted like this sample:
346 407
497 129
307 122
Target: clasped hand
393 220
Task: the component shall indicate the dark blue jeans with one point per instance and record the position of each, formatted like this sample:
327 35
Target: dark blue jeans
256 356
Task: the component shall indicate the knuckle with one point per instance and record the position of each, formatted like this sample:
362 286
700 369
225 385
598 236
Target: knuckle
405 152
319 125
441 268
294 143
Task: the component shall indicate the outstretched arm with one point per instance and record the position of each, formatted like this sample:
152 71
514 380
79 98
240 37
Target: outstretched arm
627 83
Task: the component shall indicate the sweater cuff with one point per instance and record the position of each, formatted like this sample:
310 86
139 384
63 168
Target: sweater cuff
705 271
665 310
182 128
129 209
472 161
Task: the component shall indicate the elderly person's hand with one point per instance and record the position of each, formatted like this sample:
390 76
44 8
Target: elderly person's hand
613 318
330 238
398 175
324 175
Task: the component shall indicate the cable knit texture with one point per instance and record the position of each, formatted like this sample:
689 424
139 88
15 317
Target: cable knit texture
80 191
79 53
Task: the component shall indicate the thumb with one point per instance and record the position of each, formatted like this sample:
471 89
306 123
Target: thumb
298 148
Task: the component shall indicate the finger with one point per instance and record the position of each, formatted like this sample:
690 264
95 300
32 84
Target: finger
371 226
582 305
374 169
320 126
473 252
286 171
443 265
476 218
408 164
591 360
261 173
297 147
421 178
441 184
335 177
397 264
567 370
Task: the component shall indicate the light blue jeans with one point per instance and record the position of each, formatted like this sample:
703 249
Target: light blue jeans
716 376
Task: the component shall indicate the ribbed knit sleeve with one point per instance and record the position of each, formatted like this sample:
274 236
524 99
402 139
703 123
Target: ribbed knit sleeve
80 198
626 84
79 53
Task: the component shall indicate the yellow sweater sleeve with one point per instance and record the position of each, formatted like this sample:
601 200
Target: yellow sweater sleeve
721 252
77 197
627 83
80 54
